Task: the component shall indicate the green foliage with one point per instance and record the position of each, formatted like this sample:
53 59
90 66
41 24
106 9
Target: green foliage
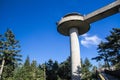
55 71
117 66
64 71
9 53
114 45
27 62
109 51
29 71
51 70
86 73
94 73
9 60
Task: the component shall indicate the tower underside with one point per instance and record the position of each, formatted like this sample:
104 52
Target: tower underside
64 28
72 20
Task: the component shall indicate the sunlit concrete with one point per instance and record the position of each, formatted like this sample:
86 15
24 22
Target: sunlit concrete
75 54
73 25
103 12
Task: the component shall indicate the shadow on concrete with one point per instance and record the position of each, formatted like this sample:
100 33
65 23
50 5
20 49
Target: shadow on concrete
78 73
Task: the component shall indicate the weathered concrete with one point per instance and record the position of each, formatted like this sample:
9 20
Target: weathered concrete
75 54
104 12
72 20
73 25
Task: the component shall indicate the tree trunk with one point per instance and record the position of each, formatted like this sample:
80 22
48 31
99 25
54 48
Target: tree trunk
44 73
1 69
108 65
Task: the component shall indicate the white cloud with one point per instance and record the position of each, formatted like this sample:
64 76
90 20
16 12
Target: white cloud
89 41
84 35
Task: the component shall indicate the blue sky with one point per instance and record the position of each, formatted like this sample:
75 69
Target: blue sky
34 24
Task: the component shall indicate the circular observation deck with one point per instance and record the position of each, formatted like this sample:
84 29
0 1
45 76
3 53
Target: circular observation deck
72 20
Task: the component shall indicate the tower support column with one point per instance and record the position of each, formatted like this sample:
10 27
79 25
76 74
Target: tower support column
73 25
75 54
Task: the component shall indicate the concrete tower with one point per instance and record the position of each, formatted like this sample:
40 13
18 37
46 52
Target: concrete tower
73 25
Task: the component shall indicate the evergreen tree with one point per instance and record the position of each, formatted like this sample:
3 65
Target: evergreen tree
113 41
51 70
86 73
94 73
103 54
24 72
29 71
37 73
27 62
64 71
9 56
109 51
55 68
43 68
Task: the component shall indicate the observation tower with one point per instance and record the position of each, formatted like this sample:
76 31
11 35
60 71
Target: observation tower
73 25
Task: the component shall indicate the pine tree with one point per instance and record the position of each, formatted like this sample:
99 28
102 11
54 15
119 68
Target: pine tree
64 71
29 71
51 70
9 56
109 51
114 45
86 73
103 54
